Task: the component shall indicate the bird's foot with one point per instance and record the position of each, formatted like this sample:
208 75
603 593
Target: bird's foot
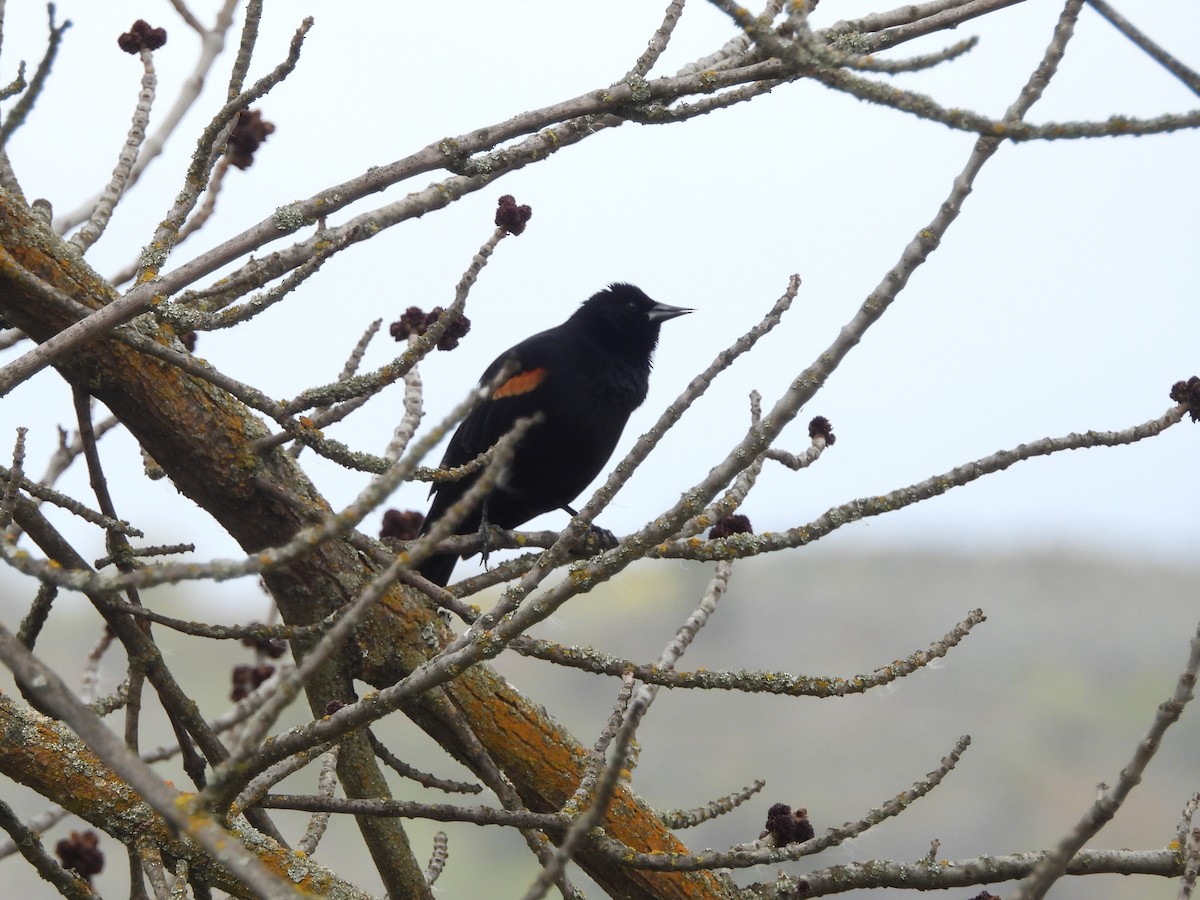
489 534
597 540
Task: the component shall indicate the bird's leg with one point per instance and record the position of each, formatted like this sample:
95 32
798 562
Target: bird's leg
598 539
485 533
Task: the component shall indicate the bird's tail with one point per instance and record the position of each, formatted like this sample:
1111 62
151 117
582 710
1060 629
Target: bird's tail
439 567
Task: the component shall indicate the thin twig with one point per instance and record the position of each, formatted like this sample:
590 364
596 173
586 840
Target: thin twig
438 858
657 44
227 777
749 681
1184 73
28 841
17 115
742 545
196 180
1054 865
741 858
212 43
53 695
111 195
318 822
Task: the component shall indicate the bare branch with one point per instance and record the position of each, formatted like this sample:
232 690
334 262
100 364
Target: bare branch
667 862
657 44
689 818
1055 864
865 507
17 115
961 873
1185 74
196 180
95 225
165 800
212 43
29 843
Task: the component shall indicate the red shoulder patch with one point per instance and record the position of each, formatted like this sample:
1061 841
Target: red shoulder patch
521 383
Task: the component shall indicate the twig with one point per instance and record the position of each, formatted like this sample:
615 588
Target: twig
318 822
203 160
91 667
437 860
96 223
950 17
227 632
28 841
404 770
742 545
17 115
551 823
961 10
147 552
39 612
413 407
70 504
15 476
1054 865
914 63
657 44
1191 868
188 17
164 799
199 216
227 776
749 681
689 818
212 43
964 873
554 868
1185 74
152 866
19 83
241 64
257 787
709 859
1185 820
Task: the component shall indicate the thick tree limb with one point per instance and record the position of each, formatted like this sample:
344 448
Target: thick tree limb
264 499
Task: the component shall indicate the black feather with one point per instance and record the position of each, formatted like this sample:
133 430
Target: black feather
585 377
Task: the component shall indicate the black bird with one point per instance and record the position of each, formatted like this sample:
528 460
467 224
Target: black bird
585 377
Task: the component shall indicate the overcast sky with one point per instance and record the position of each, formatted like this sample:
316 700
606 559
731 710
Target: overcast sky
1064 299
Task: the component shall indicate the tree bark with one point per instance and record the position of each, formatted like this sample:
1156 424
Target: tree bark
203 439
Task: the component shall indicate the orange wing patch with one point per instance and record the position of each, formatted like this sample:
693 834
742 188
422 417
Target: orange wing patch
521 383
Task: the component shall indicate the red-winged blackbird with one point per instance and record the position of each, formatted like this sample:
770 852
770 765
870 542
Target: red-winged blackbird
585 377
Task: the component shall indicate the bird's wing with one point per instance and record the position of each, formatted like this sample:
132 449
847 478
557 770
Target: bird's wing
516 397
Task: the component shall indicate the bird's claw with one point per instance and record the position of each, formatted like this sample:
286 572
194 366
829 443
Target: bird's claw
486 530
599 539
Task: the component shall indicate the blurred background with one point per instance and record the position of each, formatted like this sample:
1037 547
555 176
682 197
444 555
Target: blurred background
1062 300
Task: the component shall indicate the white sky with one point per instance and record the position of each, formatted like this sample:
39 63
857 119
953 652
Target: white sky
1064 298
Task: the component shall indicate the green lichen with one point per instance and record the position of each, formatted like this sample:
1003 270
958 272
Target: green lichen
639 89
854 42
289 218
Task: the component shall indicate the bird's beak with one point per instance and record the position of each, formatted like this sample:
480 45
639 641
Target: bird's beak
660 312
